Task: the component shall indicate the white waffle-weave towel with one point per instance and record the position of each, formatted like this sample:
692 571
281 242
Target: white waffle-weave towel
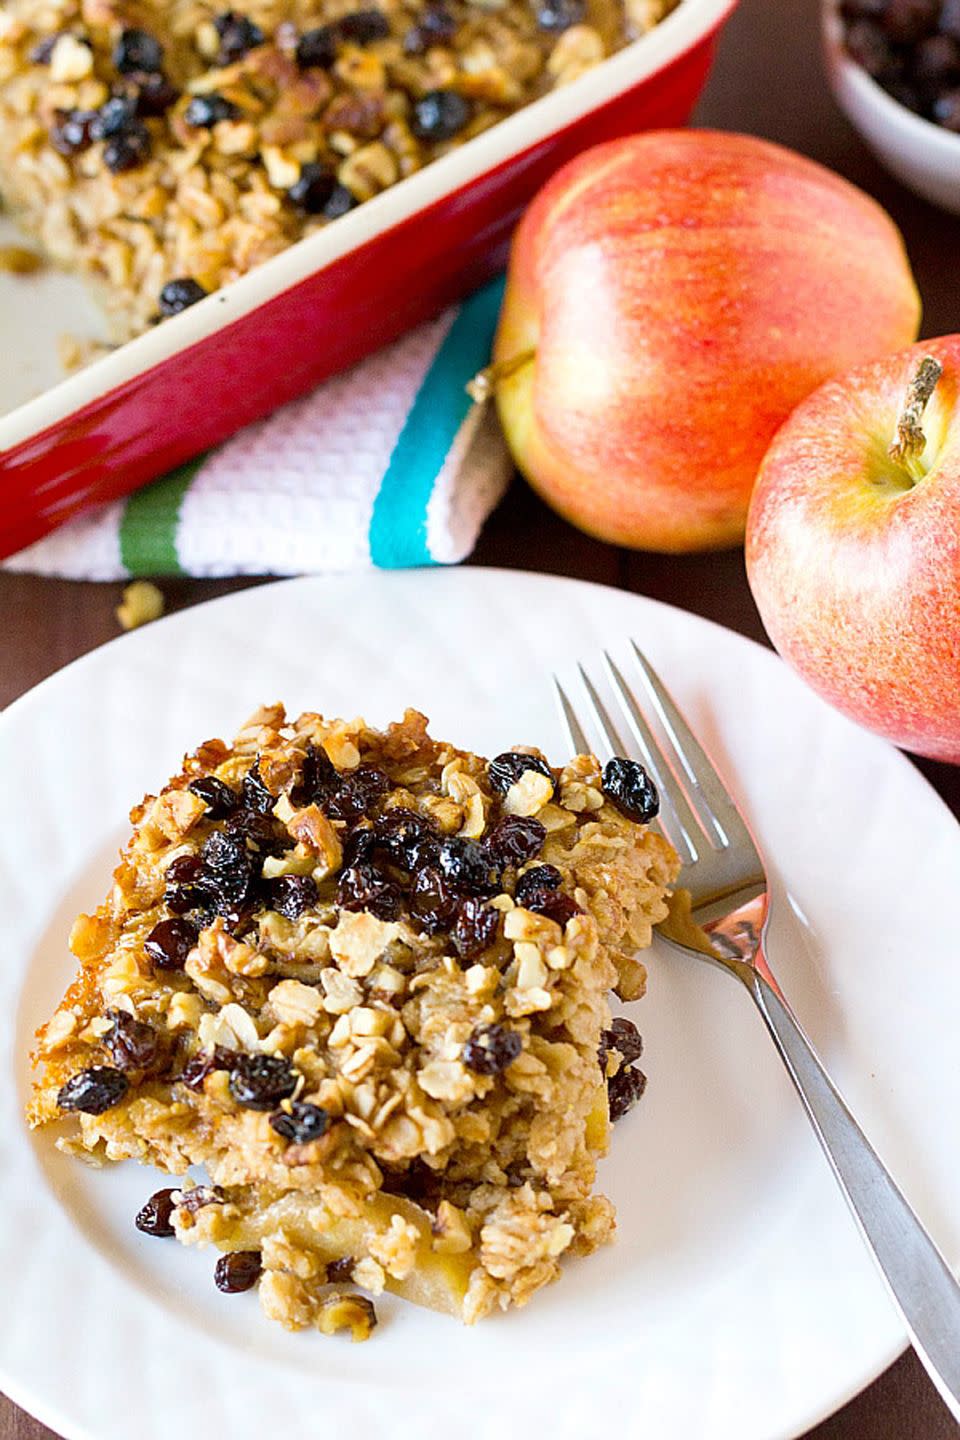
386 465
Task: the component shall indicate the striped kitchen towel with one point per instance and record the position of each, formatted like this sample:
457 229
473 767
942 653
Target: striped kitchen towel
386 465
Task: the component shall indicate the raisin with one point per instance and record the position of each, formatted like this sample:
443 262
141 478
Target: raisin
200 898
364 887
93 1091
318 48
227 891
416 1182
290 895
356 794
256 796
950 18
433 905
870 48
552 904
156 1216
515 839
303 1123
205 111
228 867
907 21
476 928
238 1271
185 889
318 778
439 115
408 839
264 833
154 94
467 866
946 110
183 870
73 131
438 24
339 1271
491 1048
128 150
360 845
556 15
260 1082
240 920
624 1037
340 202
170 942
220 798
363 27
506 769
624 1090
42 51
237 34
114 116
629 787
133 1044
137 50
935 61
196 1070
533 881
906 94
415 41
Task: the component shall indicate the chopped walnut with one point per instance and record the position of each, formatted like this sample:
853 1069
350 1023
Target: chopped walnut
347 1312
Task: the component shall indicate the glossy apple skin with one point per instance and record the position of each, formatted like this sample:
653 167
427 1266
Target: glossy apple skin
683 290
855 572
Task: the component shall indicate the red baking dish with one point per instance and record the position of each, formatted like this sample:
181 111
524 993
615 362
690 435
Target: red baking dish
331 298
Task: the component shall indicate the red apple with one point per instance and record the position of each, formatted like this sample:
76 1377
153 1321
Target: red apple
680 292
853 552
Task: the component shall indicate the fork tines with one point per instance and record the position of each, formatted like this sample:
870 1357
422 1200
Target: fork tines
696 812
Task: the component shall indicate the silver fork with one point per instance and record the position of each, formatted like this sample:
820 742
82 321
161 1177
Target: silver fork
729 901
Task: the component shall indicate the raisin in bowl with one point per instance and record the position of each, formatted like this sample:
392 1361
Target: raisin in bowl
895 72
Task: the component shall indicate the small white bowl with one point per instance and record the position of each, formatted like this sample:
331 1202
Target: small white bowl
923 155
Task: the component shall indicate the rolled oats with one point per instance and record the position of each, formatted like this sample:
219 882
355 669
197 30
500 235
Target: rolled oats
362 1099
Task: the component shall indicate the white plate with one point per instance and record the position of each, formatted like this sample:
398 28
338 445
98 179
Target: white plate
738 1303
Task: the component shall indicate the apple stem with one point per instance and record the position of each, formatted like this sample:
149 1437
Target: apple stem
909 443
483 384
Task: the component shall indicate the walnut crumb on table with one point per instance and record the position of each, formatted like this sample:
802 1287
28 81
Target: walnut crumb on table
361 978
142 602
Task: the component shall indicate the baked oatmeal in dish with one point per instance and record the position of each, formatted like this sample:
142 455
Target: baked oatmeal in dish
164 147
361 980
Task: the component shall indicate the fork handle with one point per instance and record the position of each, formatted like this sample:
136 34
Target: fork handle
918 1277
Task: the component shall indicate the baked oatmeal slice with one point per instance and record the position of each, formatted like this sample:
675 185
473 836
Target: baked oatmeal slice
361 979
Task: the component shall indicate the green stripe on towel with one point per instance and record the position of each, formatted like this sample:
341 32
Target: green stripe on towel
398 525
148 525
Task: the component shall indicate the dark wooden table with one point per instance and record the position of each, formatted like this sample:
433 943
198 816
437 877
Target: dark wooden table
767 80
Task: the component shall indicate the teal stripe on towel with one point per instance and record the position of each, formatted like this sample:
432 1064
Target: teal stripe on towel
398 525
